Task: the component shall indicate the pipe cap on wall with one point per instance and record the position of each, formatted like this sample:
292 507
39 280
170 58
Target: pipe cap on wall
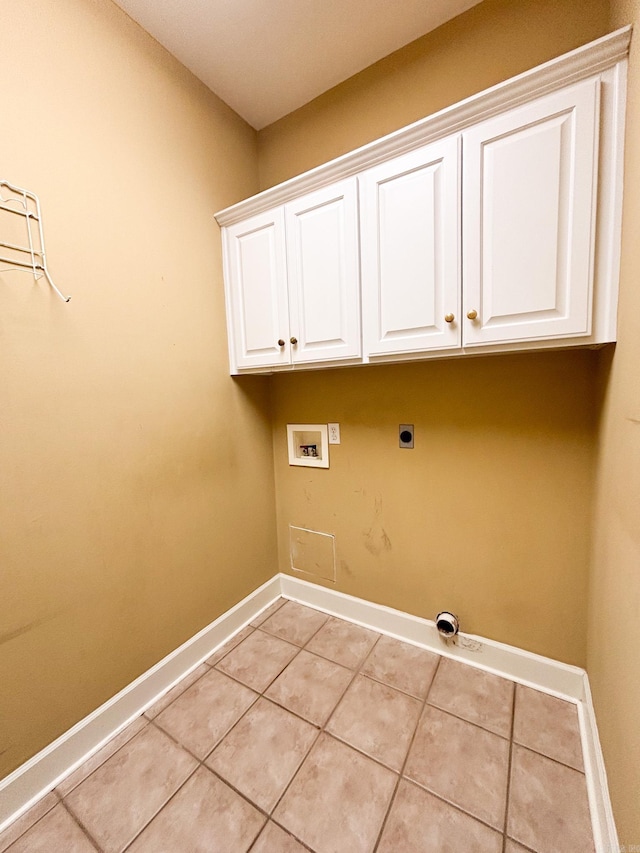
447 624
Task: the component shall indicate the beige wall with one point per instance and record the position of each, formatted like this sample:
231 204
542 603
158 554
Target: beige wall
482 47
489 515
136 485
614 624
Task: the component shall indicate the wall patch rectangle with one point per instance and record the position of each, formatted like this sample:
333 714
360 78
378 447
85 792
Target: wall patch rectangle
312 553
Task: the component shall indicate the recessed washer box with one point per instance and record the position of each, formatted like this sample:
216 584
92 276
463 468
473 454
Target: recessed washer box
308 445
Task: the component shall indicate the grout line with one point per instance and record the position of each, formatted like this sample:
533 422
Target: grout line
178 695
82 827
146 722
453 805
549 758
288 832
321 729
35 822
237 679
229 784
261 614
406 757
470 722
285 830
163 806
509 767
525 847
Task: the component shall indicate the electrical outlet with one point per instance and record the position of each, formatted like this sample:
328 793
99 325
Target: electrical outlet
405 435
334 433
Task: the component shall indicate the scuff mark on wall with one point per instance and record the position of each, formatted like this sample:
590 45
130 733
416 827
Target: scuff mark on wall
24 629
345 568
376 539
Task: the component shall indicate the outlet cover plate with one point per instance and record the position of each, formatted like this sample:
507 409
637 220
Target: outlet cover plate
405 435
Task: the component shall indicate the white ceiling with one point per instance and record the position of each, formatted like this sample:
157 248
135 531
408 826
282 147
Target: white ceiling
266 58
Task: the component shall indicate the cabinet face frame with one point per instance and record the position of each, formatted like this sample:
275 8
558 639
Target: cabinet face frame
410 251
529 201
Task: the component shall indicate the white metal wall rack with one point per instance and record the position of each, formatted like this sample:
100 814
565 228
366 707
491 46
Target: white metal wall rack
30 257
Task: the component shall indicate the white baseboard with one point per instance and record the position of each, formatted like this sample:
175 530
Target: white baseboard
604 827
26 785
36 777
559 679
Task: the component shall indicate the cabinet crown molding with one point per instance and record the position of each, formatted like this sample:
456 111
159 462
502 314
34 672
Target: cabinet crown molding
571 67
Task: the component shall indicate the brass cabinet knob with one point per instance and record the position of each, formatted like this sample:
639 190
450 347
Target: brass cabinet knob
280 342
449 318
472 314
294 341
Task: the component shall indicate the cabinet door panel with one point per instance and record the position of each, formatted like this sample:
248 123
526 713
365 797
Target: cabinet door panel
529 200
257 290
410 238
324 286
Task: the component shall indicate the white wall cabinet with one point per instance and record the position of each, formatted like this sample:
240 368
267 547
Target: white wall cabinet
491 226
526 181
529 192
410 225
292 282
257 297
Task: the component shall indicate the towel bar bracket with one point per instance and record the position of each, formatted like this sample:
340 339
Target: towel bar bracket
30 257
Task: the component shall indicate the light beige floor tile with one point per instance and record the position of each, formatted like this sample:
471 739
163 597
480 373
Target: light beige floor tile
164 701
204 816
548 806
294 622
141 783
125 792
100 756
474 695
205 712
342 642
338 799
27 820
56 831
275 840
402 665
262 752
271 609
548 725
311 687
464 764
418 822
258 660
230 644
376 719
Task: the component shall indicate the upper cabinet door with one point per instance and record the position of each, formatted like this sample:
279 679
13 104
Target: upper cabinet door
528 214
410 227
323 274
255 277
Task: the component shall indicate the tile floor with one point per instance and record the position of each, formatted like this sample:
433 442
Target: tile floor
308 733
